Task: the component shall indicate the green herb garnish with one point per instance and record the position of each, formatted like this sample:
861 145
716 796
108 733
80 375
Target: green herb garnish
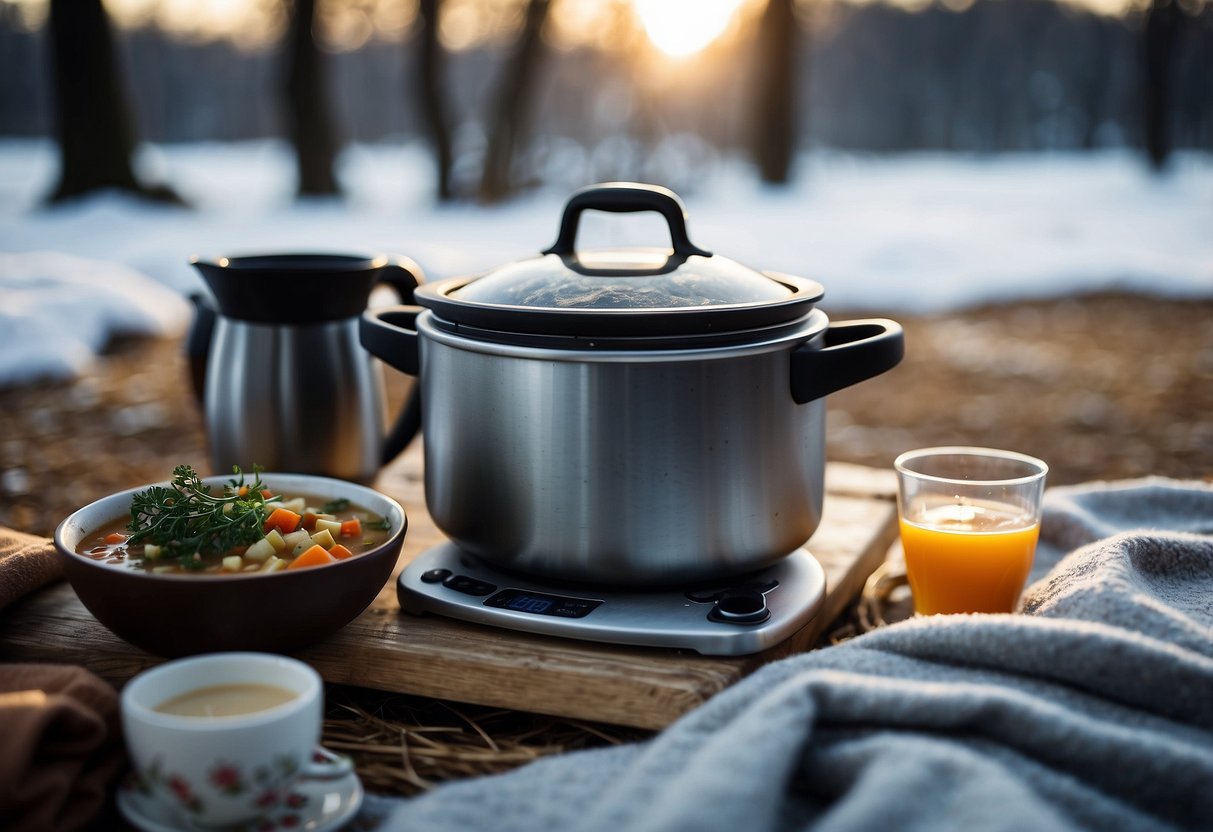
190 523
334 506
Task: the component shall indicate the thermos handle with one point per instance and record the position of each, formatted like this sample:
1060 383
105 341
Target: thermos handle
390 334
402 274
853 352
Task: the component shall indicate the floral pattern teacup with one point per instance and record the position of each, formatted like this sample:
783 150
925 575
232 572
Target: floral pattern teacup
222 770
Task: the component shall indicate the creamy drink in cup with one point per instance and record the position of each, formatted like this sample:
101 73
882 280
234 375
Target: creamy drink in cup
220 737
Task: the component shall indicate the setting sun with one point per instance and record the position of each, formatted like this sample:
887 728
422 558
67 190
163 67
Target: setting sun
683 27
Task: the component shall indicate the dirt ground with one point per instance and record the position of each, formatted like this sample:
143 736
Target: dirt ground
1101 387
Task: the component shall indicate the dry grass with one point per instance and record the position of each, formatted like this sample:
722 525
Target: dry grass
1100 387
405 745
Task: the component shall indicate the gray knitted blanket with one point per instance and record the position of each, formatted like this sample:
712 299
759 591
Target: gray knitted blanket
1092 708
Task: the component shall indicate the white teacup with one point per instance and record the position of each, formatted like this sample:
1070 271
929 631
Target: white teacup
257 723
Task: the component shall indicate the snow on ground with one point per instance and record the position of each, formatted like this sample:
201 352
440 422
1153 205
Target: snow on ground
922 232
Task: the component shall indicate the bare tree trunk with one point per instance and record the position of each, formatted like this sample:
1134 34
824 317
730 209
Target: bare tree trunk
430 80
310 123
1159 36
773 140
513 104
94 125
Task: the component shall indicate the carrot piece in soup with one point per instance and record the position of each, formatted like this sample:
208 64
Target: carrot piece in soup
114 538
282 519
340 552
315 556
351 528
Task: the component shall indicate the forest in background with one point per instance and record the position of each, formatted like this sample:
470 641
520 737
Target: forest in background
995 76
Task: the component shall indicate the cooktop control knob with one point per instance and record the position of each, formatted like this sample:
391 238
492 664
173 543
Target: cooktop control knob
740 606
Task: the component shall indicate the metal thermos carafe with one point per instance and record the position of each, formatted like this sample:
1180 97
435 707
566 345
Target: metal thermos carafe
283 380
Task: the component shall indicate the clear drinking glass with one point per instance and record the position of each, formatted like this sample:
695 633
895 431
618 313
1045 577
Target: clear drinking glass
969 521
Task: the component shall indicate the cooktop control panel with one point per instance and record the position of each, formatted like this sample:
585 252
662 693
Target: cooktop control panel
732 617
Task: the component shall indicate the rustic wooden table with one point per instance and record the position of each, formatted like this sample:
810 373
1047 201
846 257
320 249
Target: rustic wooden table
386 650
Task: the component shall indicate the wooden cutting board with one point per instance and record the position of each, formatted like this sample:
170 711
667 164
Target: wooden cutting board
430 656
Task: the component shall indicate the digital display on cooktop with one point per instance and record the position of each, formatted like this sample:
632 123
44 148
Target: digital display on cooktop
540 603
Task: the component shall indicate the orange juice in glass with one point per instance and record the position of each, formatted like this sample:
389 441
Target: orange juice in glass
969 521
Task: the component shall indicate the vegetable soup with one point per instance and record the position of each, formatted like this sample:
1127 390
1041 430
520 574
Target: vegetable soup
184 528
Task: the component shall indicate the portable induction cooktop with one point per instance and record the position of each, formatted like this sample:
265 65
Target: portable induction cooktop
731 617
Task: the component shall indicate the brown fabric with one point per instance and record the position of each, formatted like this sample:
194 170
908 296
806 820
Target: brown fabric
26 563
60 746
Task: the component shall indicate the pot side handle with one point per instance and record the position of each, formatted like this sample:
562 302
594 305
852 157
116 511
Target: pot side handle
404 276
853 352
390 335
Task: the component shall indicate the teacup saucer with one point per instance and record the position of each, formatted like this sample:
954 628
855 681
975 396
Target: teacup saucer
312 804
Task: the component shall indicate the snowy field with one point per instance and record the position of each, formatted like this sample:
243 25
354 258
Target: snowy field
889 234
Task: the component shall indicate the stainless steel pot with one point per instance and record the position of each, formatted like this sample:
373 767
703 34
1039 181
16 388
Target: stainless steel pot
627 444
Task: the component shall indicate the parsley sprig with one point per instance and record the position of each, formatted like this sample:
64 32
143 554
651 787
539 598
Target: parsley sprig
189 522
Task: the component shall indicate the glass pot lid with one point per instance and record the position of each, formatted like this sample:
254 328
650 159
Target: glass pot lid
622 292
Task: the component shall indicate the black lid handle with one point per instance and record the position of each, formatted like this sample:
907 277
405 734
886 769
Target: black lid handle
626 197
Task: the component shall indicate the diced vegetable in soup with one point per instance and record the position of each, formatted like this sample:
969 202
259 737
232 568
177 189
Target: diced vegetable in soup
187 527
